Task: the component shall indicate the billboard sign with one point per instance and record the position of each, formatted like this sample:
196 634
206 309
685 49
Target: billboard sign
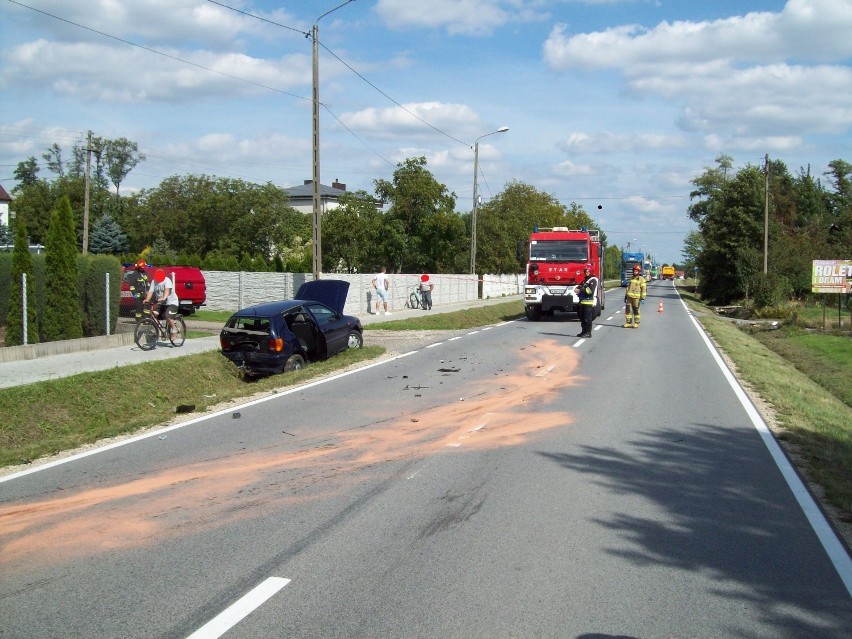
831 276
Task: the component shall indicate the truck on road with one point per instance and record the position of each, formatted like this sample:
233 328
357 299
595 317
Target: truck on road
557 257
628 261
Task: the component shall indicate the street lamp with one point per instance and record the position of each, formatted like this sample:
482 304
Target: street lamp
502 129
317 230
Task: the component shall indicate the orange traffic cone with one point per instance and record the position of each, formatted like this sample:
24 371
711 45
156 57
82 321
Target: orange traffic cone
660 308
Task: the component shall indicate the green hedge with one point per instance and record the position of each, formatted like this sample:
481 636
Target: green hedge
91 283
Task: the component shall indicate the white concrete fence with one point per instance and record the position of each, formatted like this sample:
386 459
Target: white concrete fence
230 291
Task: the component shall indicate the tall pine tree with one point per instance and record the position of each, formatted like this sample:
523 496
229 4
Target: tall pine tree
22 264
62 318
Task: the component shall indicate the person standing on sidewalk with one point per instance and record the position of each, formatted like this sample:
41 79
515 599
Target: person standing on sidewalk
426 287
586 292
381 283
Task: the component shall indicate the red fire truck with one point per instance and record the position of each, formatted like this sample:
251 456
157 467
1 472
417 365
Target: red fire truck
557 258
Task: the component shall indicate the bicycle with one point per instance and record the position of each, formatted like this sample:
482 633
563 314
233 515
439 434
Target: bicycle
150 330
414 299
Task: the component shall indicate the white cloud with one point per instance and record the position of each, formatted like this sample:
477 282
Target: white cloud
806 29
102 72
612 142
567 168
161 21
458 17
394 121
760 75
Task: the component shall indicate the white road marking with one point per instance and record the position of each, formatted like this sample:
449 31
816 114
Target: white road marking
452 339
833 547
434 345
239 610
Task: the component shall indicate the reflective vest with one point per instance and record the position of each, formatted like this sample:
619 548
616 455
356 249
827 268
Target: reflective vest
587 291
636 287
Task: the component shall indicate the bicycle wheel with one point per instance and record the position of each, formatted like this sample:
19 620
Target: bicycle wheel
146 334
178 334
414 301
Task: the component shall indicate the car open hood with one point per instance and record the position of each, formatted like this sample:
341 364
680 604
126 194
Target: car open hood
332 293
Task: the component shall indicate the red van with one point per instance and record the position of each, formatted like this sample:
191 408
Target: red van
189 286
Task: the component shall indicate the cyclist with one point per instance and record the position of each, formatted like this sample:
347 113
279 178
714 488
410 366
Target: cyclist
163 291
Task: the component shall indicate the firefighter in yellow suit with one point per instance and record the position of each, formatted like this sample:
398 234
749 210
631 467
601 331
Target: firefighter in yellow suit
635 295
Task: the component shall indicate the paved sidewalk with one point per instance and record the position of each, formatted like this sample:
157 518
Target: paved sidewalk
28 371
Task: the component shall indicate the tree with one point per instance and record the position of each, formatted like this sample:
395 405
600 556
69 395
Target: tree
612 263
62 318
21 265
350 234
692 246
415 196
120 157
33 203
5 234
107 237
53 157
730 218
77 164
26 173
510 217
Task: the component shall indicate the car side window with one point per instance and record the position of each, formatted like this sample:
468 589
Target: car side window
322 314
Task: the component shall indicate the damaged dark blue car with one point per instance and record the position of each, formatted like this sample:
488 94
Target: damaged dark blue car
281 336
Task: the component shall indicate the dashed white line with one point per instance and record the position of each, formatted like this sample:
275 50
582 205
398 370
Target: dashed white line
236 612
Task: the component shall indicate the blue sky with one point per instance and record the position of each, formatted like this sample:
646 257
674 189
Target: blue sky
617 103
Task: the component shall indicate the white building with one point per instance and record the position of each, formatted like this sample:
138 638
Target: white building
302 197
5 201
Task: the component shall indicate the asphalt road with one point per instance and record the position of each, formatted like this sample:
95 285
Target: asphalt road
508 482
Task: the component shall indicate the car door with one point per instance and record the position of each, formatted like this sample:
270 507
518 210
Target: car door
332 327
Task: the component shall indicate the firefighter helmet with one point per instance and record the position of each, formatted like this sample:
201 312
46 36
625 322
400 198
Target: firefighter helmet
637 268
141 264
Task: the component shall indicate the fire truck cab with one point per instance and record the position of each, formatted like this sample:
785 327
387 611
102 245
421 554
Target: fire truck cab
557 257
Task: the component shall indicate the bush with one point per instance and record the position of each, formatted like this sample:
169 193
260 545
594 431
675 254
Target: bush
769 289
92 284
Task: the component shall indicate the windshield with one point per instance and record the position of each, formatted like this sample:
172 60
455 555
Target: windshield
559 251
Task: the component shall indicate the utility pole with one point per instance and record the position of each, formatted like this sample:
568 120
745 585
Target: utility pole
317 237
317 230
86 195
766 216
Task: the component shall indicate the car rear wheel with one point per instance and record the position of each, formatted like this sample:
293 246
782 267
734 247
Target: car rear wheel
295 363
356 340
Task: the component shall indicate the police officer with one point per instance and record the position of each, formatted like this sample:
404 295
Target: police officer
138 281
586 292
635 295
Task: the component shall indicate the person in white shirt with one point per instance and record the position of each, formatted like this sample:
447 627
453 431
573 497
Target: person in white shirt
163 292
381 284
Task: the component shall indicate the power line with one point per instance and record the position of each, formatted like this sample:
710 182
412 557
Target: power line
348 66
251 15
412 114
165 55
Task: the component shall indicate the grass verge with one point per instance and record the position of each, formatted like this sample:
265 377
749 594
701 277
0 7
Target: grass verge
50 417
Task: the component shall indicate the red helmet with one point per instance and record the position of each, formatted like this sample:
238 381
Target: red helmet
159 275
637 268
141 264
587 267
